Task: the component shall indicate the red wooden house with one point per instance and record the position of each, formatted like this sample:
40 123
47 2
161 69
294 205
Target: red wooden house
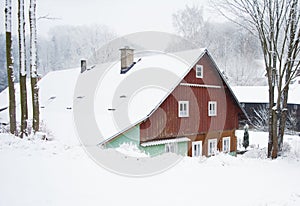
196 114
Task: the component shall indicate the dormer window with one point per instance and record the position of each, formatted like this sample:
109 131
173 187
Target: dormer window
199 71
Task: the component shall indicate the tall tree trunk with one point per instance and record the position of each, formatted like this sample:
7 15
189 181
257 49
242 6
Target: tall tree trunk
270 127
10 70
289 65
283 117
22 58
33 66
276 111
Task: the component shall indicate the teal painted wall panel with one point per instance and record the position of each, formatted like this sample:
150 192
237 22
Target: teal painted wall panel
132 136
154 150
183 148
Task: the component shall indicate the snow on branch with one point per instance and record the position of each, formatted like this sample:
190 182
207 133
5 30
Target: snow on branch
48 17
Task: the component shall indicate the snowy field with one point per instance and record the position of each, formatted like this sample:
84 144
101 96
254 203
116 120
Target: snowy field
59 172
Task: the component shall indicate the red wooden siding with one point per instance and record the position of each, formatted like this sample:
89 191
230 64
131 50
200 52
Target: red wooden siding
214 135
165 123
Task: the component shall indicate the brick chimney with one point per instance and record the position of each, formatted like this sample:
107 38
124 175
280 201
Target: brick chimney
126 59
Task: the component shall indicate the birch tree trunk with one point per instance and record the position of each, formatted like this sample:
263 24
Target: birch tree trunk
33 65
10 69
22 59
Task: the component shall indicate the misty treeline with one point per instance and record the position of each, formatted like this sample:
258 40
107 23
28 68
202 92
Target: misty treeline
236 50
61 49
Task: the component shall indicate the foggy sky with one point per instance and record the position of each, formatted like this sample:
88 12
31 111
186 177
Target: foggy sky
122 16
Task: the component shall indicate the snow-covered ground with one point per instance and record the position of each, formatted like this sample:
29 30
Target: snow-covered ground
37 172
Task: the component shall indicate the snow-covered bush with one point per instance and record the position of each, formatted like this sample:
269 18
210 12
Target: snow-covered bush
131 149
291 149
286 147
4 128
256 153
44 131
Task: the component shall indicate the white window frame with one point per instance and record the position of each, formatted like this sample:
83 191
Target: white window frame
183 113
212 146
226 146
171 147
199 69
197 149
212 112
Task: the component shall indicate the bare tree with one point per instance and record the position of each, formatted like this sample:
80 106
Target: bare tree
232 46
290 64
261 118
67 44
276 24
292 121
22 59
10 69
189 22
33 65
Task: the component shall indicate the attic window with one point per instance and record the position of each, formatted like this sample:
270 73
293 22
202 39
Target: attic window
199 71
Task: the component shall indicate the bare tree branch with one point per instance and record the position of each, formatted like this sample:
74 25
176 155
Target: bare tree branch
48 17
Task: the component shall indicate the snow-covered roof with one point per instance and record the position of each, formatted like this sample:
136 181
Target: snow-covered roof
260 94
120 100
251 94
294 94
4 103
57 89
124 100
143 89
